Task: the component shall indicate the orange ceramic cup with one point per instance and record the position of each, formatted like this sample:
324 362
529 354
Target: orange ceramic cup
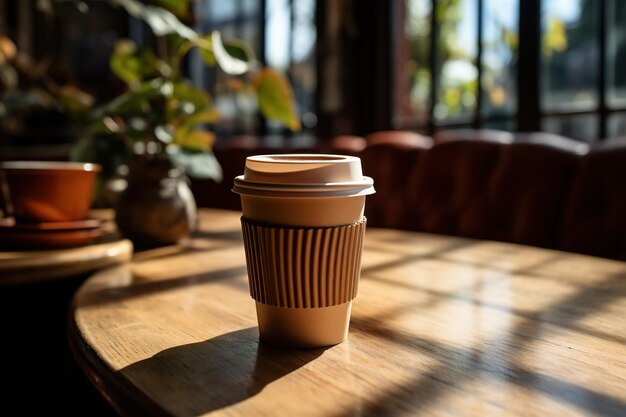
42 191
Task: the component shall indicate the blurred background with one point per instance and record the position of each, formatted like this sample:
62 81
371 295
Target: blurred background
356 67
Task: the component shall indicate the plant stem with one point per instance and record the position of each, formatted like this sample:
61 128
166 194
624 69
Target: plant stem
178 57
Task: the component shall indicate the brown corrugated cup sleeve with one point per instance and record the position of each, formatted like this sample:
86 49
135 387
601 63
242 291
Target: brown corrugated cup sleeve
303 267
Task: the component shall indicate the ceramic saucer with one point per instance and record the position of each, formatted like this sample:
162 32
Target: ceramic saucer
54 239
45 226
49 235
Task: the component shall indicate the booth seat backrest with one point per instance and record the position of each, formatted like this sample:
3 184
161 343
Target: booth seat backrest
391 166
532 188
525 196
595 218
483 135
490 190
450 177
347 144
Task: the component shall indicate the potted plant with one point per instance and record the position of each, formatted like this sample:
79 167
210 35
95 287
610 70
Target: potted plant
162 120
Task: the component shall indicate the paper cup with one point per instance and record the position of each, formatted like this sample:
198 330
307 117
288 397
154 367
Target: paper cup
303 230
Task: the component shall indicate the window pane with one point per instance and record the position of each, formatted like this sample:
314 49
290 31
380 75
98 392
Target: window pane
221 11
303 74
456 64
249 33
413 81
617 125
584 127
569 54
235 20
304 32
250 6
500 40
616 53
289 46
278 32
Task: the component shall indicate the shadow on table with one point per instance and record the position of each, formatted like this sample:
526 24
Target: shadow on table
201 377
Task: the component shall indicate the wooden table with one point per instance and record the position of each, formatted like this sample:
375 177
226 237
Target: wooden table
32 266
441 326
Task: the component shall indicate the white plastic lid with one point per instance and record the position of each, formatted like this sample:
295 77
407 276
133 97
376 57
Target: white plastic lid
303 175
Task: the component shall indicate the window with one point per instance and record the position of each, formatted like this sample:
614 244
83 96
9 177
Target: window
461 64
464 61
282 35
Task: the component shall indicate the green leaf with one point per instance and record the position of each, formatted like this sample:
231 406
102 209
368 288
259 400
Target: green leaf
194 140
234 49
133 101
196 164
132 66
211 115
163 134
236 63
175 42
187 99
187 92
105 126
179 7
124 64
160 20
187 136
276 98
149 64
240 50
206 50
74 100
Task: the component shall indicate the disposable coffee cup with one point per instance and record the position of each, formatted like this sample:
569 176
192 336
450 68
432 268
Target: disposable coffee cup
303 229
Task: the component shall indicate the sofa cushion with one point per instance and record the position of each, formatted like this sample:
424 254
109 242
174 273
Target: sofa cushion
450 178
492 190
595 219
525 196
391 165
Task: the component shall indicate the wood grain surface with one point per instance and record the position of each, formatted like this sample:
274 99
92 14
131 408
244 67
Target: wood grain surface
441 326
28 266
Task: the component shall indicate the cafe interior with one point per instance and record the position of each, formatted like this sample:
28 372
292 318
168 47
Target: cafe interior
138 277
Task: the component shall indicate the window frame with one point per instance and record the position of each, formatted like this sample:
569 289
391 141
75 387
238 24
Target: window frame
529 115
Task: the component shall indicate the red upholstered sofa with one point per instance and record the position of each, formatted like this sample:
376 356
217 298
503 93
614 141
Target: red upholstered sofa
530 188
